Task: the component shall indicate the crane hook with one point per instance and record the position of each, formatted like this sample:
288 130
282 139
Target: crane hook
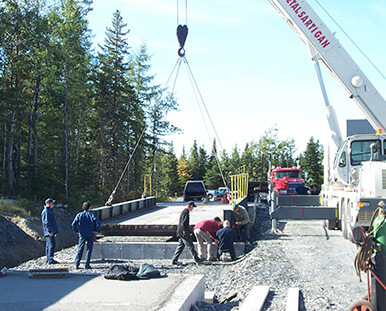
182 33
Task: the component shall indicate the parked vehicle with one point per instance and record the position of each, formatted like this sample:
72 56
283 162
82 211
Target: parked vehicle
194 190
220 192
285 180
210 194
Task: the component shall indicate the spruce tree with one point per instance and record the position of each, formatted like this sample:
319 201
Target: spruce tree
311 162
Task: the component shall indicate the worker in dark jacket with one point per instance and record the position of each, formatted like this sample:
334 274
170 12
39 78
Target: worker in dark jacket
87 225
184 235
224 240
50 230
242 220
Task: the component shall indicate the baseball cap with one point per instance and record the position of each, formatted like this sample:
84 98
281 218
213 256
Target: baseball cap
49 200
191 203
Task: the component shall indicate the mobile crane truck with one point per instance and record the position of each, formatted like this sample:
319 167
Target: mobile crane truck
355 178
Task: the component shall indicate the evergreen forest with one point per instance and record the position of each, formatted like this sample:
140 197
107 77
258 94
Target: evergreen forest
77 122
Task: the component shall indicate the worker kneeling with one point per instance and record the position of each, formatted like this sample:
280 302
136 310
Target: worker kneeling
224 241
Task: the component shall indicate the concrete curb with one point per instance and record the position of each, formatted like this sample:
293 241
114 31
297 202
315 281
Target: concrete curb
145 250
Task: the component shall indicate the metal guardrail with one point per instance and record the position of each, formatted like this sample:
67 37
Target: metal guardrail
106 212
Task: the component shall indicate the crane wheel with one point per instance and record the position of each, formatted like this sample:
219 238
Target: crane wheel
362 305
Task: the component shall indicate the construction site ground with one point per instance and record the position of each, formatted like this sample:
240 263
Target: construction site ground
317 261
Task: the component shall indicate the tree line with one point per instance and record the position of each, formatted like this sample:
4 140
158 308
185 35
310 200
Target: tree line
71 117
255 159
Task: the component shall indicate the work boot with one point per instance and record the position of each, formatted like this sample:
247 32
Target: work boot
199 261
53 262
178 263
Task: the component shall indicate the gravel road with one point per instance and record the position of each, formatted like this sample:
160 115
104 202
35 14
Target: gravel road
317 261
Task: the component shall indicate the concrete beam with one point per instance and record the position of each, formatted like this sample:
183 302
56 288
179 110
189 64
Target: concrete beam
145 250
106 212
139 230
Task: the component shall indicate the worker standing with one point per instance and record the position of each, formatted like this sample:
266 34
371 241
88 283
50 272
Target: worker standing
242 220
184 235
50 230
87 225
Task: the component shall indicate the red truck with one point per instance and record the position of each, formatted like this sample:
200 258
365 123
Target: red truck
285 180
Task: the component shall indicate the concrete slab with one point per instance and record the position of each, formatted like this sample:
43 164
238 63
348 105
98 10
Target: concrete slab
255 299
293 299
93 292
166 213
180 301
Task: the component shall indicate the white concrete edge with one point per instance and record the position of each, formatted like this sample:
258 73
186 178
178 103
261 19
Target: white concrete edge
293 299
191 290
255 299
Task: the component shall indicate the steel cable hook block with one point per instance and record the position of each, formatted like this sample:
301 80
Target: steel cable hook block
182 33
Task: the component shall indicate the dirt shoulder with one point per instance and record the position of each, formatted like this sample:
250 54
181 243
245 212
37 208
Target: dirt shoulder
22 239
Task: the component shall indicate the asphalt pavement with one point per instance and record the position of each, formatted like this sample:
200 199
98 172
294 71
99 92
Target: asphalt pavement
84 292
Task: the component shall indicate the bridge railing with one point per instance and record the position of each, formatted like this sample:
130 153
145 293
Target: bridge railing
106 212
239 187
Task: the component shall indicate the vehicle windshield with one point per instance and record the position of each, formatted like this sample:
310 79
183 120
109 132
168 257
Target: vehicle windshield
194 186
290 174
365 150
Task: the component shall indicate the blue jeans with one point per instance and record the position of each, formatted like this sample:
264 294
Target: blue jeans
81 244
50 248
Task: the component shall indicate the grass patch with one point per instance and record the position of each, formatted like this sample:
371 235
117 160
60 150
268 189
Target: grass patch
21 208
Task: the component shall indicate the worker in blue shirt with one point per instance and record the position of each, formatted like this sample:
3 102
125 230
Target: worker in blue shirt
224 241
50 230
87 225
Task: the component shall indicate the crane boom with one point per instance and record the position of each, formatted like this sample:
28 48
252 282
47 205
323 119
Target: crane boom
326 49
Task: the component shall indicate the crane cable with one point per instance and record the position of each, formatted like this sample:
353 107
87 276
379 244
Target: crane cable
196 91
182 32
352 41
186 13
111 197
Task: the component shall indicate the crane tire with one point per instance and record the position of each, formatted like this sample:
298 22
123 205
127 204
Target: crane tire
362 305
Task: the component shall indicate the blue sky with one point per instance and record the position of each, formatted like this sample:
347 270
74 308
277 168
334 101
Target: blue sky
253 72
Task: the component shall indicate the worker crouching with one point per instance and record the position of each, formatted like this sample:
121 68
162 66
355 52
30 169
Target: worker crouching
224 240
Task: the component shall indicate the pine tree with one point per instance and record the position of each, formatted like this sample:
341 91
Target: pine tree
311 162
115 101
168 175
212 177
